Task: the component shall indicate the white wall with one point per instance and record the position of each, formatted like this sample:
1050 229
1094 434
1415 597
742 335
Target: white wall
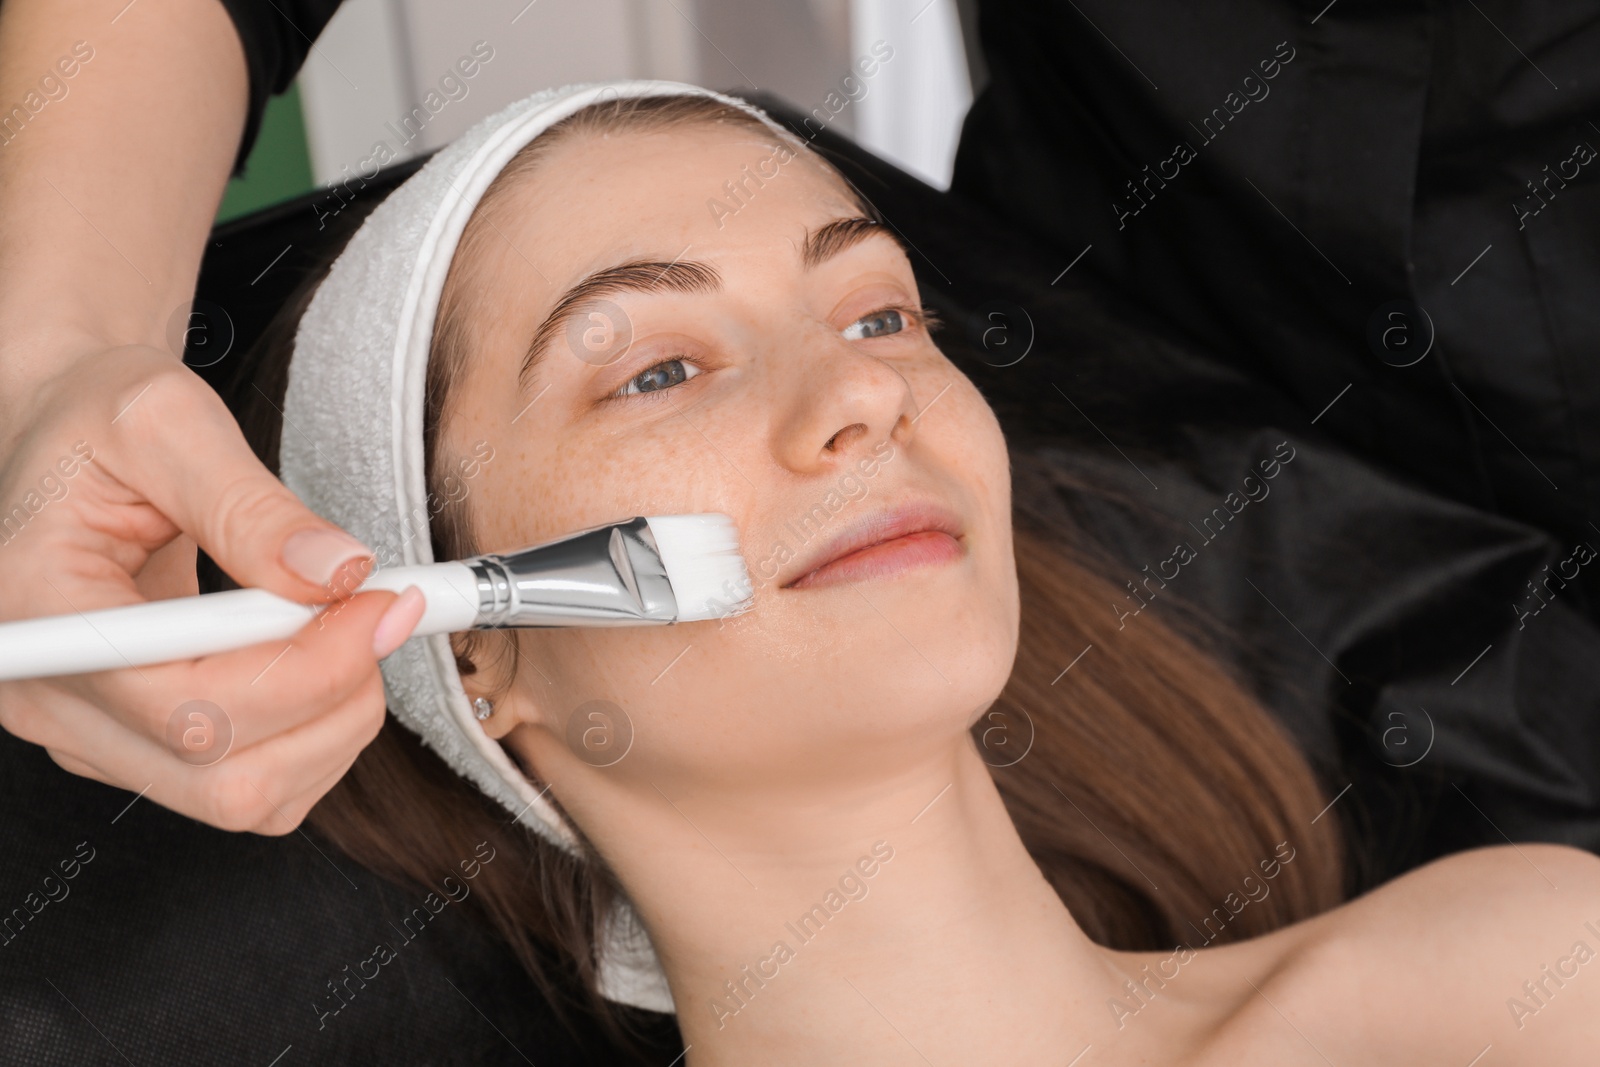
379 60
352 83
914 117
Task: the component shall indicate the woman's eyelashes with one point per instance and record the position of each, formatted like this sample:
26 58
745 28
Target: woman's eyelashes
879 323
883 322
663 375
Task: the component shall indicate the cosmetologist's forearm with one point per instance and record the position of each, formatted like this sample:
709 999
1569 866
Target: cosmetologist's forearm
119 123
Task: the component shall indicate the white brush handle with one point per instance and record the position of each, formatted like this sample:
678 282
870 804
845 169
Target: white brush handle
187 627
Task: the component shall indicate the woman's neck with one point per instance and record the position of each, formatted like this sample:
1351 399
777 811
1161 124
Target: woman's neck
898 923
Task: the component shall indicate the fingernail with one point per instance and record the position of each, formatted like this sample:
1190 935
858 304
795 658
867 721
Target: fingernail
317 554
398 622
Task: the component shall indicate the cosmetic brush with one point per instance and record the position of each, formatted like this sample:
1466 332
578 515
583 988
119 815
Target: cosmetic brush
642 572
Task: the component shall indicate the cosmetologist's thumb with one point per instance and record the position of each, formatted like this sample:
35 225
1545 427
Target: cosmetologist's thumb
214 488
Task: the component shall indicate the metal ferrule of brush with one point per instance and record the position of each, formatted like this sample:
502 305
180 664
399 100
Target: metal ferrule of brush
607 576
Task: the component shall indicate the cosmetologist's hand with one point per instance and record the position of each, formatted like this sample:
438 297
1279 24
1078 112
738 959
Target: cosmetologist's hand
116 459
111 472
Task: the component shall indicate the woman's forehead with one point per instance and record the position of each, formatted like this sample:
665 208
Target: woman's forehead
622 194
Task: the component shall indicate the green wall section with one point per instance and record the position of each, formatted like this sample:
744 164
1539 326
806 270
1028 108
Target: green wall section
279 165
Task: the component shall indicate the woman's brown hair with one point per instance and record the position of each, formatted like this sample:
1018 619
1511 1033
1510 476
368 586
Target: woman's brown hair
1154 792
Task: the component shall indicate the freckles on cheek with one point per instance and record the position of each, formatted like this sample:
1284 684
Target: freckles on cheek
586 480
703 482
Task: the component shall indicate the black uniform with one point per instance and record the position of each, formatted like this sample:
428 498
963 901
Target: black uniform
1401 198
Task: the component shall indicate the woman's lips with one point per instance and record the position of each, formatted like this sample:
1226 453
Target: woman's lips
884 545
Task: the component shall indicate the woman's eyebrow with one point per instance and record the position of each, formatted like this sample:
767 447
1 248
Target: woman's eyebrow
832 238
682 276
635 276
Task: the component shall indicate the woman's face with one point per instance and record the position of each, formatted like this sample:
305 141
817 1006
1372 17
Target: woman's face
766 361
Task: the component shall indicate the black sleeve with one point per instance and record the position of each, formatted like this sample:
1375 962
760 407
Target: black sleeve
276 36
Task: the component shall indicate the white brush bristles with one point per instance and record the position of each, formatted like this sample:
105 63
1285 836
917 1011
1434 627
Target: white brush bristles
703 563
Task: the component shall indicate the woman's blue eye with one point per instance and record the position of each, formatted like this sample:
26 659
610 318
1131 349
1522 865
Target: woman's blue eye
663 375
881 322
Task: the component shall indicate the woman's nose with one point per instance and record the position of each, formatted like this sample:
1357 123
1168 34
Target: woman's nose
838 402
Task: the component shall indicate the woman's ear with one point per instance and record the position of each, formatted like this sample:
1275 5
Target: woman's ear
501 721
487 662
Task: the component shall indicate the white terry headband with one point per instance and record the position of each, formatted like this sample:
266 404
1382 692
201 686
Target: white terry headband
352 446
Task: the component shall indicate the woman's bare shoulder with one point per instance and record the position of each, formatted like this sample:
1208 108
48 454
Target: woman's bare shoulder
1493 952
1511 882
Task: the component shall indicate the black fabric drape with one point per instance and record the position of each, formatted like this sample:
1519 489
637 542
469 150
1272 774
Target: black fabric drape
1389 207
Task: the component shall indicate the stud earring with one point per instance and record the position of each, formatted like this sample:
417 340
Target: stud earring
482 708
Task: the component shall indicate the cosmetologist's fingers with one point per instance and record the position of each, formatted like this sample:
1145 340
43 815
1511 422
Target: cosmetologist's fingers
268 688
267 788
76 766
244 756
210 484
